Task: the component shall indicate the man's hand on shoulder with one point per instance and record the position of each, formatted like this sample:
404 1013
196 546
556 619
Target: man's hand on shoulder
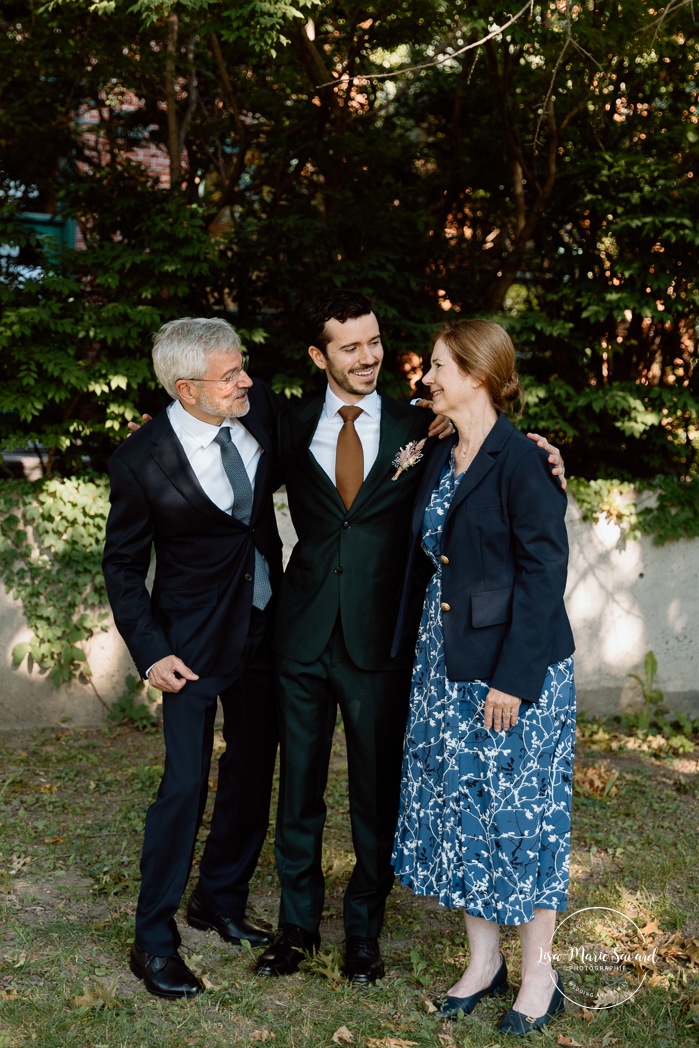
555 457
170 674
134 426
440 426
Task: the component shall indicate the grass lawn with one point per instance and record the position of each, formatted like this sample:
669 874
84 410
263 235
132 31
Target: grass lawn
72 806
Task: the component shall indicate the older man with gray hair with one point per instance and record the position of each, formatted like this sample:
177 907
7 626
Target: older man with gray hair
195 486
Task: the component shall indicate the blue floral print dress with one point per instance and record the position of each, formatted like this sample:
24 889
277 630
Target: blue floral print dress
484 821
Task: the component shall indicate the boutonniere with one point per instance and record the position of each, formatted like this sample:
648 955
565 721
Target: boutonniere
408 456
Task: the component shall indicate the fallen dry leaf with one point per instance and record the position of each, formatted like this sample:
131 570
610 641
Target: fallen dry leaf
389 1042
652 928
677 948
97 995
263 1035
596 781
342 1036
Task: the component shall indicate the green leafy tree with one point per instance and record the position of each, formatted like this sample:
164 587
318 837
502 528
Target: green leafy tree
534 164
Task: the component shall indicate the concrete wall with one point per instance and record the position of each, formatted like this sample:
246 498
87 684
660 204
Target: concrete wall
623 600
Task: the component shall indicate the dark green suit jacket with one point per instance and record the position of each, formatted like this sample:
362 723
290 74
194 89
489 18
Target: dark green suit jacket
352 561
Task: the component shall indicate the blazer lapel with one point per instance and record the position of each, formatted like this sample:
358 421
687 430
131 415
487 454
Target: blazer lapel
305 425
483 462
438 456
391 439
169 454
479 468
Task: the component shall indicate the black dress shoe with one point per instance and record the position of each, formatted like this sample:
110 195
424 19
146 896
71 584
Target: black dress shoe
232 929
452 1007
164 976
522 1025
289 949
363 961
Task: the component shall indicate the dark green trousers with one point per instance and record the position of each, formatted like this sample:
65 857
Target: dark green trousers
374 711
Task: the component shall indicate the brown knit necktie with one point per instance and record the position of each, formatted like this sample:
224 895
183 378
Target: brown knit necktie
349 461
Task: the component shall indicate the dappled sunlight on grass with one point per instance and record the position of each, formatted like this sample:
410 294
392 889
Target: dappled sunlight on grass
71 827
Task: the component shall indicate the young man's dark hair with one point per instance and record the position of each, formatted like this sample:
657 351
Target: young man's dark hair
338 304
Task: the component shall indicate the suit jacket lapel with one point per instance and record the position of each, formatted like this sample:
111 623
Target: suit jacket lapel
438 455
170 456
265 438
305 425
479 468
483 462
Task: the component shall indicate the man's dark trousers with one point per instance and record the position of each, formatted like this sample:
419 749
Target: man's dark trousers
241 808
332 639
374 712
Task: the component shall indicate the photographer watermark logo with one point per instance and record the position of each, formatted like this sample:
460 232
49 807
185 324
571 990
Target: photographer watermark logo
602 957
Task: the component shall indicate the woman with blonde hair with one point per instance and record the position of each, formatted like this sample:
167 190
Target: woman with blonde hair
487 775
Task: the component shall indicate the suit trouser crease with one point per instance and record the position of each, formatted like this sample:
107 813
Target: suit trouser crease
374 710
240 816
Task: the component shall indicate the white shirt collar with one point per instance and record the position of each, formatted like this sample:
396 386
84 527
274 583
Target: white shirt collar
370 404
202 433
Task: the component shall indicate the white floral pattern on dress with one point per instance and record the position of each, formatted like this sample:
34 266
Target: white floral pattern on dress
484 819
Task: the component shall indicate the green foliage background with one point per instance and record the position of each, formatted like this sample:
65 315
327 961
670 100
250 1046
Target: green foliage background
543 175
534 164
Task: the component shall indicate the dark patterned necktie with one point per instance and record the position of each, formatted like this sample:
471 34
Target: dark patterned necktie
349 457
242 508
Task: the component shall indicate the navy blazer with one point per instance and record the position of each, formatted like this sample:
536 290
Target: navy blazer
504 564
201 598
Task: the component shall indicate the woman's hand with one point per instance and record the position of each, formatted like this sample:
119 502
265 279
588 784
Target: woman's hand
501 710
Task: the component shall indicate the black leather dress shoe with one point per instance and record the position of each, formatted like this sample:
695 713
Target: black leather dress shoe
363 961
522 1025
454 1007
232 929
164 976
288 951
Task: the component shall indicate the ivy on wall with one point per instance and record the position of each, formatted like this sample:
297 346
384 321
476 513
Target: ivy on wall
52 535
666 510
51 539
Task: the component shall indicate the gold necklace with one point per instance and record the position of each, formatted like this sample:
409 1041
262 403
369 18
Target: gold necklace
465 453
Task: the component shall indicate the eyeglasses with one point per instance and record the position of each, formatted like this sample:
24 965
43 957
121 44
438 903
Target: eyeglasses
228 380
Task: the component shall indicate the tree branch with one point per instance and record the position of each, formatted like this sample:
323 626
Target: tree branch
173 138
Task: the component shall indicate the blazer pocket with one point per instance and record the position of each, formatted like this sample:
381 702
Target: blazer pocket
482 505
491 607
188 598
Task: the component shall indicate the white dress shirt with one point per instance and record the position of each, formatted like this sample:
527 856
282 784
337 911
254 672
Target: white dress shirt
197 439
368 426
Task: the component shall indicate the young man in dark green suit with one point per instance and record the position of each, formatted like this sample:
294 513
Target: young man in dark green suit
335 620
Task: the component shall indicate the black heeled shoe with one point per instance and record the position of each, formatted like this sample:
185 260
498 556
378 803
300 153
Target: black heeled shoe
452 1007
522 1025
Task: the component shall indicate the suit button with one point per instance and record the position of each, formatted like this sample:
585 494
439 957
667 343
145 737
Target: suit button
444 606
248 576
338 570
444 560
346 524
